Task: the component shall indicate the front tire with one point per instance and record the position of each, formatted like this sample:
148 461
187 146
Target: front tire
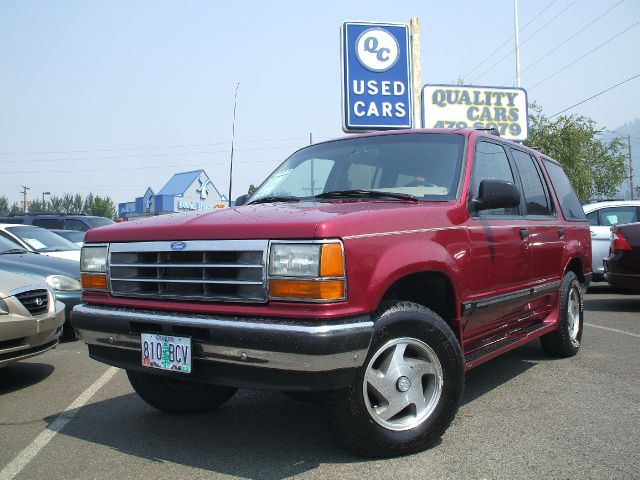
565 341
408 390
177 396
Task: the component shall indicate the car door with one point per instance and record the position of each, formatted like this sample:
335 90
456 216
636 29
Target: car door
600 222
499 263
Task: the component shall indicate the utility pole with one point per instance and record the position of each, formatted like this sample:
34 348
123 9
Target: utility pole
630 167
414 26
233 136
515 20
24 198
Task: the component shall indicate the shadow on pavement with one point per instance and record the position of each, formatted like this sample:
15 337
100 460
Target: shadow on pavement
21 375
257 434
623 304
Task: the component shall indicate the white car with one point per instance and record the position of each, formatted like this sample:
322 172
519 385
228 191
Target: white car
30 317
40 240
602 216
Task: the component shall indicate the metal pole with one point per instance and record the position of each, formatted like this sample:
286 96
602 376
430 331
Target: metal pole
630 168
233 136
24 195
515 20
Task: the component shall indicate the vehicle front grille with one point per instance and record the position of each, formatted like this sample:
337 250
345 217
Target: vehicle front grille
217 270
35 301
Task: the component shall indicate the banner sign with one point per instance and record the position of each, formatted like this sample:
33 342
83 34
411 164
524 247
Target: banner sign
464 106
376 76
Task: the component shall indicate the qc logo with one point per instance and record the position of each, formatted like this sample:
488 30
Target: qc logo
377 50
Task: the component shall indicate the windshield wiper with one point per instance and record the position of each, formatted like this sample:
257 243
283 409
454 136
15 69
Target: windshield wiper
367 193
275 198
14 250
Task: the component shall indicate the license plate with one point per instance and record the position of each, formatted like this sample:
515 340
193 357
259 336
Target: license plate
166 352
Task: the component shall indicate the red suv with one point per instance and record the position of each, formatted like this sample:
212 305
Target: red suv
374 269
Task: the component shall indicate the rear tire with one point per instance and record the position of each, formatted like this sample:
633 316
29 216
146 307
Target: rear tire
408 389
177 396
565 341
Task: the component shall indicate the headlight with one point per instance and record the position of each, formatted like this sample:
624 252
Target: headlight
93 259
4 308
93 268
307 271
62 282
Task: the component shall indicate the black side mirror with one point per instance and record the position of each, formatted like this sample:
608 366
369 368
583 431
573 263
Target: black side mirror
242 199
496 194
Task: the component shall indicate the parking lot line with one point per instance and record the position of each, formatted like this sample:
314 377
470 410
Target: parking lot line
26 455
613 330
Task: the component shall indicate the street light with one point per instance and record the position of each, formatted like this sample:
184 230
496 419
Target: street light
43 194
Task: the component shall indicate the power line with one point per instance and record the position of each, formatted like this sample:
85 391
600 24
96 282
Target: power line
152 147
596 95
566 41
583 56
525 40
508 40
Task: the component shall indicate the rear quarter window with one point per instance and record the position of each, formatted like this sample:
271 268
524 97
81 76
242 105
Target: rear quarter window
569 202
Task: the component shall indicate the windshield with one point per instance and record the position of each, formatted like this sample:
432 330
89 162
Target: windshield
95 222
423 165
7 245
41 240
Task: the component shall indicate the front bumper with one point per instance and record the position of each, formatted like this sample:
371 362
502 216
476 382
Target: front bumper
280 354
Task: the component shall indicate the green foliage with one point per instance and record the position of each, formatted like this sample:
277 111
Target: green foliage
67 203
4 206
252 189
595 168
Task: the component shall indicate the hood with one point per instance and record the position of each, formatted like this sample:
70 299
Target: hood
278 220
66 254
10 281
39 266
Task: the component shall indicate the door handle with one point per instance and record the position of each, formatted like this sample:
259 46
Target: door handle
561 232
524 233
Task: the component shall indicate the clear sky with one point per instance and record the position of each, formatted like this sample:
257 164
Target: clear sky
115 96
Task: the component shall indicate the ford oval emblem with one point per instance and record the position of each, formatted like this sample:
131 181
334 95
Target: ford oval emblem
178 246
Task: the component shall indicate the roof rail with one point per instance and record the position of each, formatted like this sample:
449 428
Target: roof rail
538 149
492 131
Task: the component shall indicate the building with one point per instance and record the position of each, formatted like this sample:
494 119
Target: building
184 192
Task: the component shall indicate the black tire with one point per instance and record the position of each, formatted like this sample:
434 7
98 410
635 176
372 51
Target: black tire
354 412
176 396
565 341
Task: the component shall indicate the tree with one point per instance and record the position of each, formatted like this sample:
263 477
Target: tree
252 189
595 168
4 205
102 207
15 209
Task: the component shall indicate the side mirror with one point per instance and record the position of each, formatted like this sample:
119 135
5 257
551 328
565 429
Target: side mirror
242 199
496 194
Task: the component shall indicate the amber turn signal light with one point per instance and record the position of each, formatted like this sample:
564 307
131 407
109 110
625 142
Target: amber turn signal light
307 289
331 260
93 281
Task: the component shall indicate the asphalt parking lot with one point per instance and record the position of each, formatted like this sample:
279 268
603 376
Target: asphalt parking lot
524 415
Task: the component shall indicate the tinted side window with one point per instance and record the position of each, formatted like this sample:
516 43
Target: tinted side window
71 224
618 216
569 203
491 163
47 222
593 218
534 191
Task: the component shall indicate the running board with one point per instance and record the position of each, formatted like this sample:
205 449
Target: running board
512 340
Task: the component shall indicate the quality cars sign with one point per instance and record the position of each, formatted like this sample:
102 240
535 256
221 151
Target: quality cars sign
462 106
376 79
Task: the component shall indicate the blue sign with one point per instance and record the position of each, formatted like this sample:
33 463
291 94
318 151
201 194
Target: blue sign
376 76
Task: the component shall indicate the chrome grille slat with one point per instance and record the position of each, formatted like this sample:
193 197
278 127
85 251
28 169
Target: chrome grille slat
215 270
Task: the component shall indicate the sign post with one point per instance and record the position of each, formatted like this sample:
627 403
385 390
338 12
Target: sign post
376 76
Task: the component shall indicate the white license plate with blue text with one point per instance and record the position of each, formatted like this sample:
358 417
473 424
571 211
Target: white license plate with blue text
166 352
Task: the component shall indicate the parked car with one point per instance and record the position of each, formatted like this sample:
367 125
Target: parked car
602 216
30 317
74 236
376 268
40 240
61 221
62 275
622 266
